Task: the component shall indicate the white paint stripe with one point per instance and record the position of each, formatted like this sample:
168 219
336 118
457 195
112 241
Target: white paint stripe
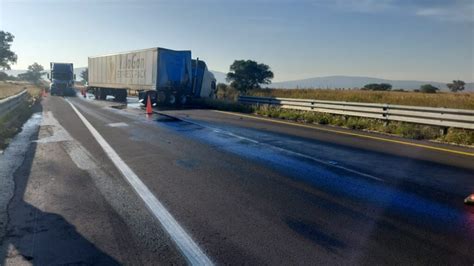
190 250
119 124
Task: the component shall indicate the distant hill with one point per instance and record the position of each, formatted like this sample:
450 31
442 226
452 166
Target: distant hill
331 82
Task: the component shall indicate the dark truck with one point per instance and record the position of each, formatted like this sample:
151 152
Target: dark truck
62 79
167 76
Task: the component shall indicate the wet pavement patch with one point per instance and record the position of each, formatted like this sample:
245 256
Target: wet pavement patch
337 181
121 106
11 160
166 118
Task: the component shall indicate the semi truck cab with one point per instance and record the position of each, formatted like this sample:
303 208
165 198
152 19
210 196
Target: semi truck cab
204 82
62 79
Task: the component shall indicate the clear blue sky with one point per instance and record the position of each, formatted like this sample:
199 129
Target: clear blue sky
394 39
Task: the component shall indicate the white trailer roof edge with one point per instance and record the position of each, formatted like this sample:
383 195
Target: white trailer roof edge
136 51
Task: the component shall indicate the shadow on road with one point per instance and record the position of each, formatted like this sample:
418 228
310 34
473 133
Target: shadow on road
43 238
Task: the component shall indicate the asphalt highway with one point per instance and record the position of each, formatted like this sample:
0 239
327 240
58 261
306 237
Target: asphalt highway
103 183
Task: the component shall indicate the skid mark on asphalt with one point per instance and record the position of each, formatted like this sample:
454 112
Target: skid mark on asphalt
183 241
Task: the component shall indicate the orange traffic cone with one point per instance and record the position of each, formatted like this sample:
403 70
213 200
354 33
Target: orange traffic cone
44 93
149 110
469 200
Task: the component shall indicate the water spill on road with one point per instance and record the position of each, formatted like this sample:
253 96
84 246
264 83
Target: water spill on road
352 187
11 159
330 177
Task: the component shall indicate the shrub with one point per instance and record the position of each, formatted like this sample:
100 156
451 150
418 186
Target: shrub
460 136
225 92
428 88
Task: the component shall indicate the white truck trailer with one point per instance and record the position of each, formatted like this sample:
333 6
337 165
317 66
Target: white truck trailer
167 76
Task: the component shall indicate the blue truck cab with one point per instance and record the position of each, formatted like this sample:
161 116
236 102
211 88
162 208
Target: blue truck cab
62 79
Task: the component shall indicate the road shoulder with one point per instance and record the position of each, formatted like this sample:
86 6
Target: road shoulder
67 209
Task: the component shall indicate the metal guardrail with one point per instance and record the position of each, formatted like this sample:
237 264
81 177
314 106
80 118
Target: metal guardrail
443 117
9 103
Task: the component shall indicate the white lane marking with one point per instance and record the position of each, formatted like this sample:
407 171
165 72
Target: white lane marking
328 163
119 124
185 243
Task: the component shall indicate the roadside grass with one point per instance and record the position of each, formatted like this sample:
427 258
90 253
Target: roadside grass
441 99
12 122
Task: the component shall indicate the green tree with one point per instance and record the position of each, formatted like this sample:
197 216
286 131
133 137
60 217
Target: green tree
428 88
248 74
457 85
7 57
85 75
377 87
34 73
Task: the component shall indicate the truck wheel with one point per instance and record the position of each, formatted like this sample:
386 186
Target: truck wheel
171 99
153 98
96 93
182 99
102 94
120 95
161 97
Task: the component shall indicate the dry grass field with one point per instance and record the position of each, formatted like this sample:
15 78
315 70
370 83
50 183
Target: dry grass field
11 88
442 99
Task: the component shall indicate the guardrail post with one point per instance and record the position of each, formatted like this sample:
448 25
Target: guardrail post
443 131
385 115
